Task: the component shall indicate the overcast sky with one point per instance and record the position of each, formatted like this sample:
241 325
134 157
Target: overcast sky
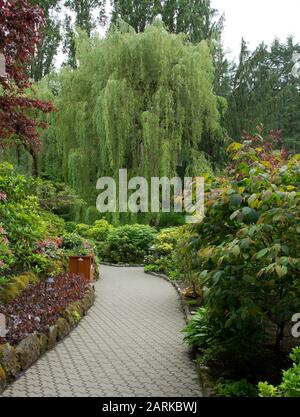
257 21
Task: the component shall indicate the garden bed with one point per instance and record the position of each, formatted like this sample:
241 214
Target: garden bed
40 317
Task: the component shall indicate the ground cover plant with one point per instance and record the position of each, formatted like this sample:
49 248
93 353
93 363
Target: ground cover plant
41 305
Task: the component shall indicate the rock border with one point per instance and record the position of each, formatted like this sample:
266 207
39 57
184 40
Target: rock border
14 360
204 375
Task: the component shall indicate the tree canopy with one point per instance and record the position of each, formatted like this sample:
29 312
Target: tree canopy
138 101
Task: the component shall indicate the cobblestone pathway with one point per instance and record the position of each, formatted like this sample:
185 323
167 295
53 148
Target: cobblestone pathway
130 344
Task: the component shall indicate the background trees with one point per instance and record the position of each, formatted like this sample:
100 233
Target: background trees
265 91
42 62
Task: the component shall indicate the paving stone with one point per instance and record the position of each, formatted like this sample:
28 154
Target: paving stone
129 344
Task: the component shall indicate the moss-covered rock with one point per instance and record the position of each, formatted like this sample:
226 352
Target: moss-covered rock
88 300
28 350
16 286
9 360
2 379
64 328
52 337
43 343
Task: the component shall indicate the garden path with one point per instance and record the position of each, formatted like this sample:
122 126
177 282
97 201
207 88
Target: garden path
129 344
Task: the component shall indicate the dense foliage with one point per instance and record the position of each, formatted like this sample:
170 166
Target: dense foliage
140 101
290 385
264 89
163 257
128 244
196 18
246 253
29 236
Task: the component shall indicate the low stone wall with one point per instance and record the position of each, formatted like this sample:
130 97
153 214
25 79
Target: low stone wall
16 359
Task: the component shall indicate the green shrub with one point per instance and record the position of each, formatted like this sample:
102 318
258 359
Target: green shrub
245 252
70 227
56 197
198 331
76 245
167 220
72 241
82 229
162 256
128 244
56 225
290 385
24 225
267 390
228 388
99 231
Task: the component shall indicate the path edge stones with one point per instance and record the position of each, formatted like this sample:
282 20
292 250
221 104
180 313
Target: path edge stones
14 361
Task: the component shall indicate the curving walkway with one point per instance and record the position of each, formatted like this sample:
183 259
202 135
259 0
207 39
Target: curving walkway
130 344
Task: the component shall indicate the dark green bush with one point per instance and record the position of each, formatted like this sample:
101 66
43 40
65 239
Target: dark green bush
228 388
290 385
128 244
170 220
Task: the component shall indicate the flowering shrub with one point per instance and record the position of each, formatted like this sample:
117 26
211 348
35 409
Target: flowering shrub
245 253
27 233
49 247
6 256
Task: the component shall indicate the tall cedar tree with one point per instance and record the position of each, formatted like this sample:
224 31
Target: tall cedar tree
87 13
42 61
20 22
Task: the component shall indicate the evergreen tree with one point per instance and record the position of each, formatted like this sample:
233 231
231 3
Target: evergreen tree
88 14
196 18
43 60
137 13
265 91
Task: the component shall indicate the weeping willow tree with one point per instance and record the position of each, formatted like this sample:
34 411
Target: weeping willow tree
142 101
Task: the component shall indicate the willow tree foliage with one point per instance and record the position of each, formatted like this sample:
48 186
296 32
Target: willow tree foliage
138 101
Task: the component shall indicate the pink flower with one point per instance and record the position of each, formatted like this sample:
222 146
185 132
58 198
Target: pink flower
1 263
2 231
3 197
